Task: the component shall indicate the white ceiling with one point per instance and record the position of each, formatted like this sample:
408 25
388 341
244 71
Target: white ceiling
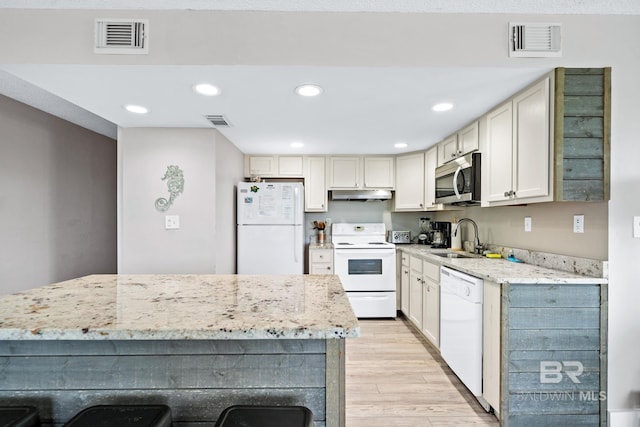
362 110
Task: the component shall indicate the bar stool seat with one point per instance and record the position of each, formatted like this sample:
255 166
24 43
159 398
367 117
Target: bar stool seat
122 416
19 416
265 416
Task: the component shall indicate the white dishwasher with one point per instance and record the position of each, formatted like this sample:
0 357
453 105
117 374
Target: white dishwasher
461 326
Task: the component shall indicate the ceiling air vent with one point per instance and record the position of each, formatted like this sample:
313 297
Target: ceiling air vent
122 36
534 40
217 120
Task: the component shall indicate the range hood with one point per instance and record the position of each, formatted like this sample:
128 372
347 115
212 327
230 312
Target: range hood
360 195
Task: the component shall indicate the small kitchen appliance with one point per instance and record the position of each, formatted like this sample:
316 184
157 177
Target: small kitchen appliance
458 181
395 236
441 234
424 238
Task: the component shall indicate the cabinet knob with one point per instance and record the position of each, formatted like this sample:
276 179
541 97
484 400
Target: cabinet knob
328 267
453 155
506 193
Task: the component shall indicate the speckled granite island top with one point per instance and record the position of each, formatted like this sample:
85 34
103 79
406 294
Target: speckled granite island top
169 307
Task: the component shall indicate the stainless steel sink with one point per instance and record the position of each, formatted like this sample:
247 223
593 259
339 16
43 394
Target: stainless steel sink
450 255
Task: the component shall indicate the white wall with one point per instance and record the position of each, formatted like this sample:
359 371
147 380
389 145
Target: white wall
145 246
229 171
57 202
398 39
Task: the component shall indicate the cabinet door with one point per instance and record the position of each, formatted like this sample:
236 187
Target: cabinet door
260 166
379 172
415 298
531 149
430 164
468 140
448 149
410 181
315 188
491 344
404 289
290 166
431 311
344 172
499 156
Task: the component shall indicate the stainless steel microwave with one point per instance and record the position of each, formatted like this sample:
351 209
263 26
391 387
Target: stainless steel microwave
458 181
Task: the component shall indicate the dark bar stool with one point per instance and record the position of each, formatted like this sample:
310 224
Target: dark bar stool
123 416
19 416
265 416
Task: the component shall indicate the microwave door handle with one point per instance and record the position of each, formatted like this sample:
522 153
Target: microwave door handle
455 182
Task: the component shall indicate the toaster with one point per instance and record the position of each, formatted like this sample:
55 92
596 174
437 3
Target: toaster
394 236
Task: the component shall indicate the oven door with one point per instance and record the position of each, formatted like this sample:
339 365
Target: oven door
366 269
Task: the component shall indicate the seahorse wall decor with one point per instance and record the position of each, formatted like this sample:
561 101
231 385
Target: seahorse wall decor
175 184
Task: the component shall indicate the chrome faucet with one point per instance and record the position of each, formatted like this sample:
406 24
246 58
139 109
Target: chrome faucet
477 246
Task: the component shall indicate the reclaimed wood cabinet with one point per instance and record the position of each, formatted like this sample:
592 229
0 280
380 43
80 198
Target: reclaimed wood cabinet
582 133
553 354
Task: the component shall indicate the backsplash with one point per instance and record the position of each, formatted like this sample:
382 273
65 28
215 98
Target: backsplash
585 266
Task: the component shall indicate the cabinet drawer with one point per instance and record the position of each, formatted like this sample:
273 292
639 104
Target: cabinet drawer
322 256
432 271
416 264
321 268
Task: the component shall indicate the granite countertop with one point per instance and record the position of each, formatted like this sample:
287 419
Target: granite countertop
163 307
500 270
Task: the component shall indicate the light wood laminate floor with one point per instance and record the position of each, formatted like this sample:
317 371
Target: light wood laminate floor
394 377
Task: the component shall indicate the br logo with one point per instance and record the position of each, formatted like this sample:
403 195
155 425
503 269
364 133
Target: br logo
552 372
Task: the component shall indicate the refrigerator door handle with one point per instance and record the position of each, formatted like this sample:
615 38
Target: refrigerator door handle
296 200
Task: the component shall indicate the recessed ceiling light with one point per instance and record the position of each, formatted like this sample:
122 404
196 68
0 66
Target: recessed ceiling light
206 89
444 106
297 144
138 109
401 145
309 90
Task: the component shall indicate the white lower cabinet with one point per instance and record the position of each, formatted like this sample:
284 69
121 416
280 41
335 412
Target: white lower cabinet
404 283
431 302
320 259
491 344
420 295
415 291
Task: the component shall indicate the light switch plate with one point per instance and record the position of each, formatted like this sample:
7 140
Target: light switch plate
578 223
636 226
527 224
171 222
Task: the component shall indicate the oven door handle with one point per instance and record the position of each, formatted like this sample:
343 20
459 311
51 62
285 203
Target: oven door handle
455 182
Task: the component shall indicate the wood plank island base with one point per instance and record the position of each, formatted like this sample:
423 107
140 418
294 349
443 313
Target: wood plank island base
197 343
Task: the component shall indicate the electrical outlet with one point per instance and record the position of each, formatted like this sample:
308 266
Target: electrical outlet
527 224
171 222
578 223
636 226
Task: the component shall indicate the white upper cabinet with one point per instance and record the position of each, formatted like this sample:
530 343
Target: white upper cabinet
273 166
460 143
315 188
344 172
518 155
290 166
410 182
260 166
356 172
430 164
379 172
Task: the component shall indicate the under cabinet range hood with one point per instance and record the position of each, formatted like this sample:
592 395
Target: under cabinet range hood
360 195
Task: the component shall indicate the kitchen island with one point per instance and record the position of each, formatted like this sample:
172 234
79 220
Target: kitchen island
197 343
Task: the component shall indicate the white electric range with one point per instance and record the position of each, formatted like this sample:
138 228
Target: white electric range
366 265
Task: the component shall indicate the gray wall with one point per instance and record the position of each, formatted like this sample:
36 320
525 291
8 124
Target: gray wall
145 246
57 202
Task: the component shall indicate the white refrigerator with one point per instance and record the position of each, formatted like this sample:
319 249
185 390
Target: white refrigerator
270 228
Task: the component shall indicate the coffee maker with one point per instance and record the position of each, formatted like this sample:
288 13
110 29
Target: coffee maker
441 237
